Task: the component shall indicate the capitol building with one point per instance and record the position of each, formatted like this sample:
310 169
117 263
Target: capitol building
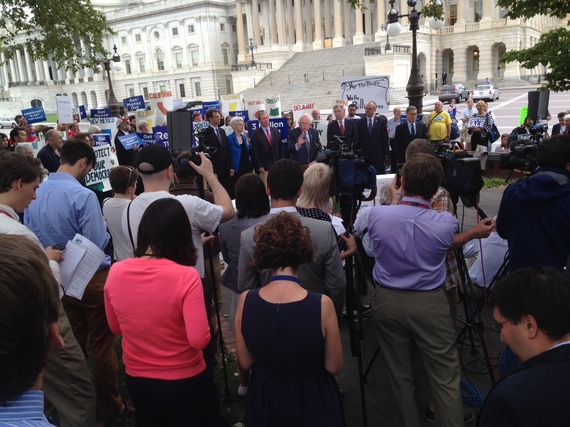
201 49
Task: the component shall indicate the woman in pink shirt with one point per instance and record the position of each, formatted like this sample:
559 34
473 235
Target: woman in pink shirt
156 302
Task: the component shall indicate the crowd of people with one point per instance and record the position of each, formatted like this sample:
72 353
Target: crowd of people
158 286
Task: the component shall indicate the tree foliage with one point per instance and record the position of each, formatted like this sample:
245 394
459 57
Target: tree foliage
54 28
553 48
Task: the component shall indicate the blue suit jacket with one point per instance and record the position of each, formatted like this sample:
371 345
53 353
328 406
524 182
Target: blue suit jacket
235 149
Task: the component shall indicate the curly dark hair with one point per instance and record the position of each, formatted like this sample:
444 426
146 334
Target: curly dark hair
282 241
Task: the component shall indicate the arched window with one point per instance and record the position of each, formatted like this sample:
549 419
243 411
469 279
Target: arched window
159 60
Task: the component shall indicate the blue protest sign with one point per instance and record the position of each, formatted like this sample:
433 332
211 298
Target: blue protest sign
211 105
134 103
101 139
130 140
82 112
160 134
146 138
244 114
100 113
34 115
279 124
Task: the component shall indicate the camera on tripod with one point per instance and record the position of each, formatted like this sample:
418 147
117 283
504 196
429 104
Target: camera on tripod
522 156
352 173
201 146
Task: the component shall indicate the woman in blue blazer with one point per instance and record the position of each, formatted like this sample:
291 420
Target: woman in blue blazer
239 147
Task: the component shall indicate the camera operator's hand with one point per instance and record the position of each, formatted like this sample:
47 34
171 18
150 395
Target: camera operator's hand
480 230
206 169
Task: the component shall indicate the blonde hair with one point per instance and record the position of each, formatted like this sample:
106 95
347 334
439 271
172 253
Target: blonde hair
315 188
482 104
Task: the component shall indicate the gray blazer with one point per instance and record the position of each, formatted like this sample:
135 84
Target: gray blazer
230 233
324 275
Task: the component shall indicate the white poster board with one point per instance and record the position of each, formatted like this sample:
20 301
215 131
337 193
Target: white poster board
162 103
364 89
64 109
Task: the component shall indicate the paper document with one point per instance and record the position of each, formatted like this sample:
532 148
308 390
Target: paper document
81 259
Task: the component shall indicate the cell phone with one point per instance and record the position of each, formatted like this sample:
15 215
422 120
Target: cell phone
59 247
399 173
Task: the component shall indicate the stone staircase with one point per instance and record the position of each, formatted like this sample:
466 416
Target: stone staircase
313 76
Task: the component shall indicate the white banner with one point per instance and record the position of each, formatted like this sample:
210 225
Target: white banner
147 116
364 89
106 159
64 109
321 127
253 107
162 103
273 106
300 109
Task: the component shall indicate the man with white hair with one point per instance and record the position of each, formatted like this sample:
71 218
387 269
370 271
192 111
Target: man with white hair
304 142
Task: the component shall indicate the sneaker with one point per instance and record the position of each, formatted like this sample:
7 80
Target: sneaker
429 416
242 391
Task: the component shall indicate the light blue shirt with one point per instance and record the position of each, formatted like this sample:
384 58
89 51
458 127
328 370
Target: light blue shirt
64 207
410 245
26 411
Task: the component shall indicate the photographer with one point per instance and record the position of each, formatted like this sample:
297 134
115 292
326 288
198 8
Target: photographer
534 215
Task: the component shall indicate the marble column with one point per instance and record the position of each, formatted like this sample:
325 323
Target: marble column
460 23
4 69
347 14
240 32
368 30
327 17
272 22
299 43
18 66
13 70
318 42
255 14
338 16
359 34
381 19
30 69
290 23
486 20
308 23
279 17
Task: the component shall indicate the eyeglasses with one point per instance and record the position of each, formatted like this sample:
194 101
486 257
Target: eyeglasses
130 175
500 324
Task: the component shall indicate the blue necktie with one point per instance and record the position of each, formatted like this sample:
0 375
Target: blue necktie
413 131
369 126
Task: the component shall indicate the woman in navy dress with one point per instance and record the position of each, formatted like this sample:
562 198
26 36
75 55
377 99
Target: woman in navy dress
288 337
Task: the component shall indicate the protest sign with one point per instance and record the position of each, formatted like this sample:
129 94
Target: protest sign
273 106
146 138
211 105
279 124
130 140
148 116
477 122
100 113
361 90
300 109
101 139
241 113
321 127
106 159
231 103
34 115
160 134
134 103
162 103
107 125
64 109
253 107
82 112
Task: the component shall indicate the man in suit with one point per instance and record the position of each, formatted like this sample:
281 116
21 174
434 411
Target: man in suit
342 127
221 159
304 142
266 146
325 274
531 310
406 133
559 127
125 157
373 138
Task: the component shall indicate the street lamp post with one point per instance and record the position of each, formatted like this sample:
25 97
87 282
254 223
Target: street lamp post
250 48
415 87
113 63
387 46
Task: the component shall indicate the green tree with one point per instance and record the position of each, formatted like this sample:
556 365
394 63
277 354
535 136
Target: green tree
552 48
54 28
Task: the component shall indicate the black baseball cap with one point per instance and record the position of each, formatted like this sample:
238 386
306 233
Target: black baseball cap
153 158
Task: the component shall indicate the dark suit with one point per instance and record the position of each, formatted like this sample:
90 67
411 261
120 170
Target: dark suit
556 129
324 274
304 156
350 133
402 139
374 145
222 158
125 157
536 394
264 155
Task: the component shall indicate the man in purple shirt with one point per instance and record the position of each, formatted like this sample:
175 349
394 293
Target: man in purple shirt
410 308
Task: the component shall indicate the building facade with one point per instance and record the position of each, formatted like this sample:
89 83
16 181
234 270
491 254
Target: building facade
197 48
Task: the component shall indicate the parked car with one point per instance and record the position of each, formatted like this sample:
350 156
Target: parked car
486 93
7 122
456 91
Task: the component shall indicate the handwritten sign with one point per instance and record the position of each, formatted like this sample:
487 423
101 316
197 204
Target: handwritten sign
361 90
231 103
273 106
64 109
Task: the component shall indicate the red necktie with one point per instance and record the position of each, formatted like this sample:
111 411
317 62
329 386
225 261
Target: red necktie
268 135
341 128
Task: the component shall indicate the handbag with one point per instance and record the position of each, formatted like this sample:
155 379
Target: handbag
493 133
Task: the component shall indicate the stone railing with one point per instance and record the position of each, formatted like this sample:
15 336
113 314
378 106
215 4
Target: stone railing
247 66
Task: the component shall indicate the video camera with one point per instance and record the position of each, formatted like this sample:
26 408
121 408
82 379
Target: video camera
522 155
352 173
201 146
